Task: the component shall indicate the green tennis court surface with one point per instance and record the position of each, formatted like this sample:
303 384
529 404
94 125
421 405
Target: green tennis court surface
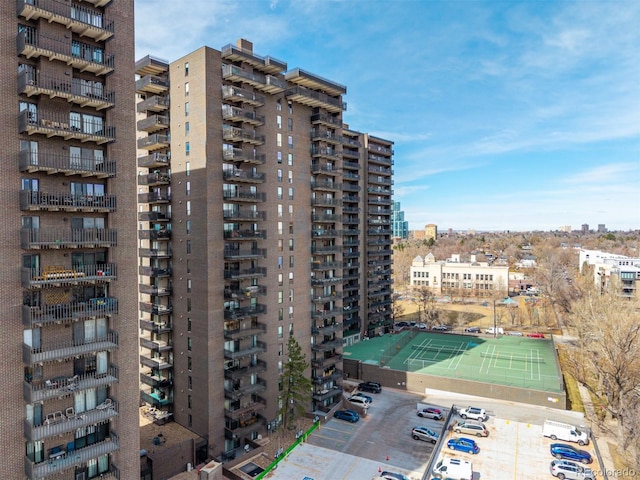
514 361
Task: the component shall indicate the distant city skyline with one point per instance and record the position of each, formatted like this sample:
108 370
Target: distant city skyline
505 115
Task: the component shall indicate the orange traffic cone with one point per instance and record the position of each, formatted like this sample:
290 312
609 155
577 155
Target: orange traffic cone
387 458
379 469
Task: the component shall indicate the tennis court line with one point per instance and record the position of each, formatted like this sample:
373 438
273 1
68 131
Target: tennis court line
461 349
537 362
485 357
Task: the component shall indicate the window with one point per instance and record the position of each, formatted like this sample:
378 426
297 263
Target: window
186 109
188 285
280 296
280 314
290 176
290 193
186 69
188 188
189 363
186 89
279 193
290 312
189 382
188 304
188 226
280 279
189 420
290 124
188 204
279 106
189 344
290 159
280 245
187 148
187 168
189 399
188 324
291 229
290 211
279 157
291 262
279 210
188 246
291 244
279 228
279 258
291 329
280 347
290 108
187 128
280 331
290 278
279 121
291 295
279 175
278 139
290 141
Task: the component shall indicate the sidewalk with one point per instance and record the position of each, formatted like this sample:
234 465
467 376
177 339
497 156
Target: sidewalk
601 436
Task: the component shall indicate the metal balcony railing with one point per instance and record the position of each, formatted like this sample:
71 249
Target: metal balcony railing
60 387
50 162
313 98
152 84
155 103
154 160
243 312
239 273
237 94
34 238
257 347
94 307
57 275
66 126
235 114
65 202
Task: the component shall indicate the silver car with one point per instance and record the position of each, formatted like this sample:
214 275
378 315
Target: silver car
571 470
471 427
425 434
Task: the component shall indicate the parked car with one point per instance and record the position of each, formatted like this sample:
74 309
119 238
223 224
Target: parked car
463 444
425 434
430 412
471 427
571 470
402 324
564 451
440 328
474 413
393 476
360 401
422 326
373 387
514 334
535 335
348 415
472 330
492 331
366 397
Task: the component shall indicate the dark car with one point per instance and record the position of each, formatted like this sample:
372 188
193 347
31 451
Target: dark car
393 476
472 330
430 412
463 444
348 415
562 450
373 387
402 324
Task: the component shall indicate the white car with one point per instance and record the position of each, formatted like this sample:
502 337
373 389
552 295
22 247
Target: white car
357 400
473 413
570 470
492 331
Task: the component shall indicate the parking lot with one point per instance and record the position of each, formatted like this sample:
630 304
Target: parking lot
514 449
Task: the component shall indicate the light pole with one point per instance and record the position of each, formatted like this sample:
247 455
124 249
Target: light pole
495 329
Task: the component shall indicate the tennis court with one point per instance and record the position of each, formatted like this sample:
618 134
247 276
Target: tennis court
513 361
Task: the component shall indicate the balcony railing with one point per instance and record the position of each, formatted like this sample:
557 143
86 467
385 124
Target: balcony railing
158 400
70 460
248 409
330 153
326 217
235 114
240 176
58 124
155 290
323 395
154 160
65 202
153 234
243 214
95 307
77 91
153 123
327 360
325 167
336 374
240 195
154 327
240 155
257 366
155 272
324 314
249 253
154 103
56 275
325 280
56 387
153 142
82 56
240 313
68 349
156 345
258 347
255 328
154 179
155 252
34 238
155 363
155 381
154 197
235 94
70 421
234 134
329 120
155 308
153 216
50 162
240 273
313 98
266 64
326 202
239 391
152 84
325 185
252 291
84 21
322 135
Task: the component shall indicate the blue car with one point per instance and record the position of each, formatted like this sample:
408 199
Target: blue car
348 415
463 444
562 450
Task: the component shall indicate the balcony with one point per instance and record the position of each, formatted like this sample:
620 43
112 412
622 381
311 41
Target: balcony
153 216
240 176
239 195
380 160
155 327
319 281
322 201
259 366
313 98
86 22
327 120
82 56
156 399
244 254
67 312
152 84
324 167
246 273
154 197
326 218
55 124
70 460
153 123
235 114
63 202
252 291
326 249
316 82
379 201
258 347
52 163
56 388
154 103
245 312
326 185
148 65
323 297
235 94
350 153
243 215
55 238
155 290
246 156
318 266
323 152
67 349
155 363
70 422
323 395
152 142
380 181
326 314
322 135
154 272
250 389
155 308
154 179
155 346
155 381
260 81
154 160
240 235
254 328
244 427
350 187
233 134
326 361
58 276
265 64
155 252
77 91
332 376
325 233
247 410
153 234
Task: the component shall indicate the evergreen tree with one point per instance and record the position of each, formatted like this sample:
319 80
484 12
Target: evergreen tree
296 387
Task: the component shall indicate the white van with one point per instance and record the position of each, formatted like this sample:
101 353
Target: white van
492 330
453 468
564 431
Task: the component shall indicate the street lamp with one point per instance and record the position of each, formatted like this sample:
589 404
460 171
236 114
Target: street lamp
495 329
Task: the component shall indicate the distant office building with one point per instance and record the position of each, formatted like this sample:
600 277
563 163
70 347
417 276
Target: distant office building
602 228
585 228
607 265
431 231
565 228
453 277
399 225
262 216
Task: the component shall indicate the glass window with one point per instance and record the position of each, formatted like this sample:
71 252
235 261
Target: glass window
186 89
279 193
279 121
188 188
290 124
187 128
280 297
186 69
290 193
279 210
188 226
278 139
187 168
187 148
279 157
279 105
290 159
290 176
290 141
186 109
279 174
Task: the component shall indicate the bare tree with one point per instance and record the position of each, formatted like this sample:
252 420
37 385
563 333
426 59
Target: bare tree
426 301
397 308
606 358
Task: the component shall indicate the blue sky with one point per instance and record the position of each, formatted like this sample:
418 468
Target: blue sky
514 115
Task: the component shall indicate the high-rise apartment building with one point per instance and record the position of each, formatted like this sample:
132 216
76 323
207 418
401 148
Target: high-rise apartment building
70 384
261 216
